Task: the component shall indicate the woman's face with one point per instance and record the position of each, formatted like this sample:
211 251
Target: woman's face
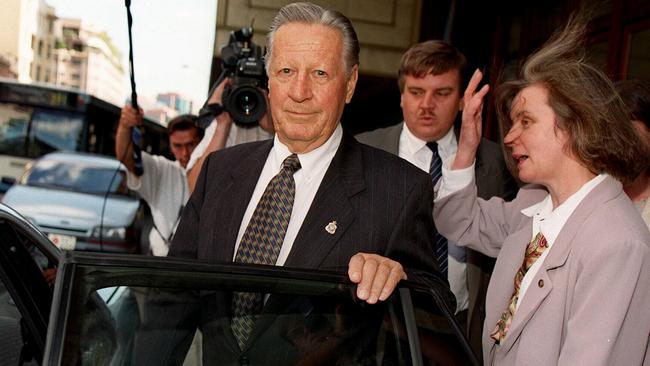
538 146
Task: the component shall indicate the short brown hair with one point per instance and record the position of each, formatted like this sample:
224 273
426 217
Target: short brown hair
585 103
184 122
431 57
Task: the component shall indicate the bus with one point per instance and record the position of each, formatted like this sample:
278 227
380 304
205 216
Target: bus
37 119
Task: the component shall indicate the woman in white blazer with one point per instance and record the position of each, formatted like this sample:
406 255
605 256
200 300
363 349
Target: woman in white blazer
571 285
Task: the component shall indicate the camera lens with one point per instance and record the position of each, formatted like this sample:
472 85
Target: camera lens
246 104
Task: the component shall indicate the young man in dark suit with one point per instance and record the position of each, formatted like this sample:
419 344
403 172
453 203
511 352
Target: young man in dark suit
430 82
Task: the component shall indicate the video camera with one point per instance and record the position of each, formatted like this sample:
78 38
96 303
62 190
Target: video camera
242 61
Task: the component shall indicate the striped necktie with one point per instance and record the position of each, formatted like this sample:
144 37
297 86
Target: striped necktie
262 241
435 170
534 250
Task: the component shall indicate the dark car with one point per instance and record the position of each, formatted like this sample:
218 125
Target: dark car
116 309
80 201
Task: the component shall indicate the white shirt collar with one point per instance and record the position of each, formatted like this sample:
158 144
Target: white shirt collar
447 145
550 222
312 160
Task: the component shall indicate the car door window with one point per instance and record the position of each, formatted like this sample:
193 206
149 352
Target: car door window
126 316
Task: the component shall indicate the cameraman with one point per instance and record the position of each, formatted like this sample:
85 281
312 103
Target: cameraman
221 133
163 184
239 96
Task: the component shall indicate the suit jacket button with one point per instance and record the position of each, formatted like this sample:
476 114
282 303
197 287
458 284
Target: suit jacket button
540 283
243 361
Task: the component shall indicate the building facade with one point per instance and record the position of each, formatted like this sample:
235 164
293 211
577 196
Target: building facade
27 39
494 35
87 59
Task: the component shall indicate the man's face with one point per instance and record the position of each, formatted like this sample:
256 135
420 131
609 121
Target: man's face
430 104
182 143
308 87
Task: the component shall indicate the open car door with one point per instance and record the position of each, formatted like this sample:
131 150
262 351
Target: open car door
128 310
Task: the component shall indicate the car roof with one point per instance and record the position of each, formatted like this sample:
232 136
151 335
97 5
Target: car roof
102 161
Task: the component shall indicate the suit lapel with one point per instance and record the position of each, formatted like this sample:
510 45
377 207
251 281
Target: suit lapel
558 256
392 141
343 179
240 186
500 293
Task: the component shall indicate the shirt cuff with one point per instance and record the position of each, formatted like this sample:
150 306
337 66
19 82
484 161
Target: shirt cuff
454 180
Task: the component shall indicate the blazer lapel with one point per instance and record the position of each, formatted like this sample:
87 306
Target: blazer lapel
502 282
331 206
392 141
558 256
240 187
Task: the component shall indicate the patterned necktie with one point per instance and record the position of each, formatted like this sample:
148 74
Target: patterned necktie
262 241
533 251
435 170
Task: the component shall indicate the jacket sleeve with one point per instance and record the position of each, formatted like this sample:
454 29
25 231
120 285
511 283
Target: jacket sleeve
482 225
412 241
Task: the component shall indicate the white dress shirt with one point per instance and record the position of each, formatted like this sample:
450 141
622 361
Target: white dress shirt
308 178
163 185
416 152
546 220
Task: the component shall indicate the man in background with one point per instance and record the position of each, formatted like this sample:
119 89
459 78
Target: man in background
430 81
163 184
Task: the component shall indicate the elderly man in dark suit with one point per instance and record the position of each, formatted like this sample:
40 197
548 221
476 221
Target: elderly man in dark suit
430 82
312 197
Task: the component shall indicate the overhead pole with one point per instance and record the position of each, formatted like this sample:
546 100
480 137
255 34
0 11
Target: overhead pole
136 134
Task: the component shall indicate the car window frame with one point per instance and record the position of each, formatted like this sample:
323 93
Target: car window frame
77 280
22 277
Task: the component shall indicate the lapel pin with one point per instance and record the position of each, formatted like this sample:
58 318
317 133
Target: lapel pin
331 227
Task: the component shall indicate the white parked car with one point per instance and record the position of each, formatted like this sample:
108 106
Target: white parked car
80 201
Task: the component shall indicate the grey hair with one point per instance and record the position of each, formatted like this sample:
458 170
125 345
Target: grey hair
309 13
